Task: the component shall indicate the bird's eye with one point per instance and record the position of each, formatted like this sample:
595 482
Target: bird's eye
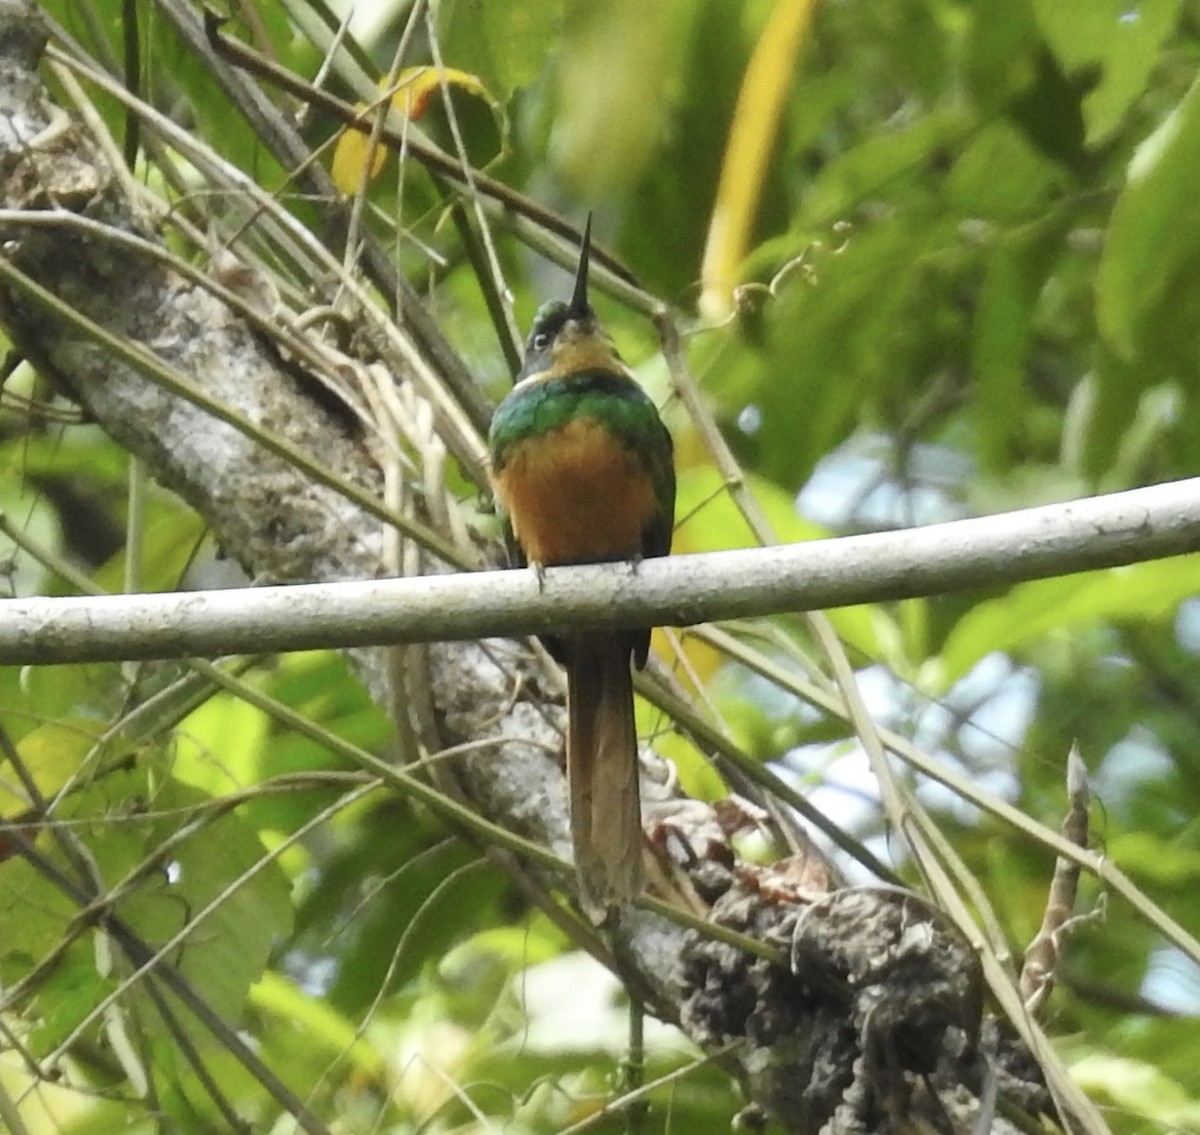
540 341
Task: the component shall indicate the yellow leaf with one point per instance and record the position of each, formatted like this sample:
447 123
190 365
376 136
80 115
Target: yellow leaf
51 754
356 158
415 87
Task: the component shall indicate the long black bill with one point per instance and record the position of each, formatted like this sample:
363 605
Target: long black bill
580 308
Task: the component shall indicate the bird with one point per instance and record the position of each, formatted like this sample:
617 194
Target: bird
582 469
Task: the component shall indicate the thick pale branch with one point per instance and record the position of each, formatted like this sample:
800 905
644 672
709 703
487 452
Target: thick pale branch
1097 532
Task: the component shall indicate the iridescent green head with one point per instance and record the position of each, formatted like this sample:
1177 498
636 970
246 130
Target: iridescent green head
566 338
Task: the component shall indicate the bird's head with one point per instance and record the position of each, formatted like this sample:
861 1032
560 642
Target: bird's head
567 338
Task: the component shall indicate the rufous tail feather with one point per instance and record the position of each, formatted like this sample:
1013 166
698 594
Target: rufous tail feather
602 771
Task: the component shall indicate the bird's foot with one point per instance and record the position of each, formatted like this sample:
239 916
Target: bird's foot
540 571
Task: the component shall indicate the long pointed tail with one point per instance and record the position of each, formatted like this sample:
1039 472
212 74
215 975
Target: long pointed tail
602 771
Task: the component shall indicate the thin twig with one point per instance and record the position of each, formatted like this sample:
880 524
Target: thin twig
1043 953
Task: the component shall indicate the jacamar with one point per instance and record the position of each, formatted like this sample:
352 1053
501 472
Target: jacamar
583 471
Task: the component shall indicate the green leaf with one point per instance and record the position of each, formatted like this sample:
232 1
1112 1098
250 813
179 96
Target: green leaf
52 754
504 44
1153 860
1016 273
125 822
1138 1089
877 162
1000 176
68 994
229 949
998 55
34 916
1120 37
853 345
1103 405
1145 592
602 146
708 518
169 545
221 744
328 1030
1153 240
